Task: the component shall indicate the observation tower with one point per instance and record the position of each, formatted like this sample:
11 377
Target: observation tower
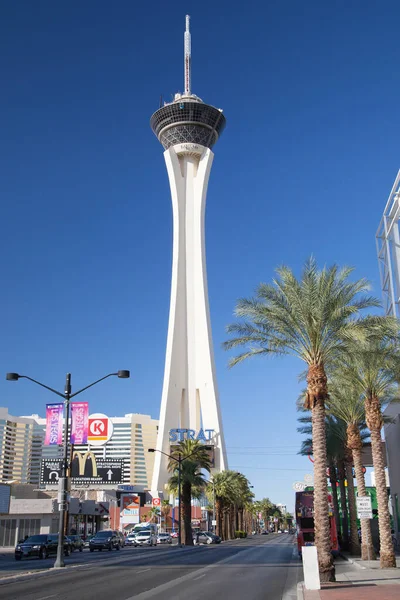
188 129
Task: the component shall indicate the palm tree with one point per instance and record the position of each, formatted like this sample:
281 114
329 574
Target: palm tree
266 508
165 511
335 455
232 496
154 514
346 403
312 318
373 372
194 458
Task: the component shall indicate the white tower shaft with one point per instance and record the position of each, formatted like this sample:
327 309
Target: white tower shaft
188 58
190 395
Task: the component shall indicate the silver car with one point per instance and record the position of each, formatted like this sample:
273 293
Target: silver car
130 539
164 538
145 538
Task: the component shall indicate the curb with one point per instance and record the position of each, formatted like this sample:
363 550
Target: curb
352 562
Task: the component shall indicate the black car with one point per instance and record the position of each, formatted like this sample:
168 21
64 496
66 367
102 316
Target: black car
105 540
76 542
41 546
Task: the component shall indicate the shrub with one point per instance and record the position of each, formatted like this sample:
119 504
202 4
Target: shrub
240 534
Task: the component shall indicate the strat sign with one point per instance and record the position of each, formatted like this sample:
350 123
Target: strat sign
100 429
179 435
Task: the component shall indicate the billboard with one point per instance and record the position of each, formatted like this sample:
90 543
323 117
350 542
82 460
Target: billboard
130 508
86 470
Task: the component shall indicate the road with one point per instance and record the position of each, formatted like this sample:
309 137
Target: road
259 568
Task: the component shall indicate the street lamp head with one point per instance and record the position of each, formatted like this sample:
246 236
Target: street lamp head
151 450
124 374
12 376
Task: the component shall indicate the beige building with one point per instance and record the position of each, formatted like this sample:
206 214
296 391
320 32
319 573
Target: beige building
21 440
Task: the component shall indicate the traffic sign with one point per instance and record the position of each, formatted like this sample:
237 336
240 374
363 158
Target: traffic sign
364 507
299 486
100 429
156 502
90 471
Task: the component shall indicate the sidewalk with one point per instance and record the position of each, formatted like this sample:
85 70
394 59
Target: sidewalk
357 580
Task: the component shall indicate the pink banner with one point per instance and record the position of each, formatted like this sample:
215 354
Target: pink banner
54 424
79 422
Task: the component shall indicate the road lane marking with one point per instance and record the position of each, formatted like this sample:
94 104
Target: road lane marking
142 571
45 597
199 577
190 576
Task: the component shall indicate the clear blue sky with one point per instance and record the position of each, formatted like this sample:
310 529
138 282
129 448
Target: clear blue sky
311 96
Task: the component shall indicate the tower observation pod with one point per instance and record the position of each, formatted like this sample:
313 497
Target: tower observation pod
188 129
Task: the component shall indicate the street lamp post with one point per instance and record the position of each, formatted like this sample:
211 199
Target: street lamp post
64 483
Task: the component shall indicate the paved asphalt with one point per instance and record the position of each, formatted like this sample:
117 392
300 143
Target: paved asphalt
258 568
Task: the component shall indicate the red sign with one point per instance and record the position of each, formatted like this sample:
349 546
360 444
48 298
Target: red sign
156 501
100 429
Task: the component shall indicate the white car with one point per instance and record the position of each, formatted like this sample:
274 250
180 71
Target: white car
145 538
130 539
164 538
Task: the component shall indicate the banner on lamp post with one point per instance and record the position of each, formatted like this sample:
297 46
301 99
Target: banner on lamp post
54 424
79 422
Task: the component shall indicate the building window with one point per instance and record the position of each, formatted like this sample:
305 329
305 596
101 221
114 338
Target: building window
8 530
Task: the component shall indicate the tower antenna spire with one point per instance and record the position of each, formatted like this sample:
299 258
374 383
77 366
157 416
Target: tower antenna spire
188 58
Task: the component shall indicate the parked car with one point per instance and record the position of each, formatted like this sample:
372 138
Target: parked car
87 541
41 545
164 538
174 534
206 537
105 540
76 542
264 533
145 538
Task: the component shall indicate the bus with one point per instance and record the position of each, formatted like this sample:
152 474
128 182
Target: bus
305 522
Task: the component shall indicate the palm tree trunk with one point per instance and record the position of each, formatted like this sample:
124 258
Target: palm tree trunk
187 513
343 504
218 517
374 423
354 442
355 548
317 392
335 500
386 552
232 519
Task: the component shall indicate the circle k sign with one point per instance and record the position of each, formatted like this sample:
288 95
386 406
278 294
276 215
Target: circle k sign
156 501
100 429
